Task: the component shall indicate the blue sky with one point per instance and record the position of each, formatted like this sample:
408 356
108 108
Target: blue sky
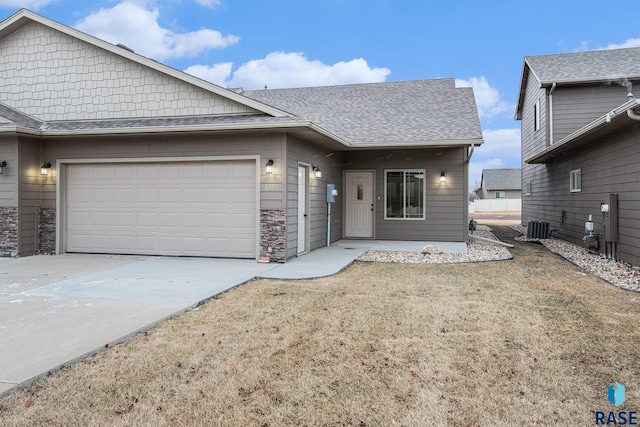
291 43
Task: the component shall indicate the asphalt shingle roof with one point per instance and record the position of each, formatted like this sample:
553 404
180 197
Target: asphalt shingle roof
502 179
611 64
383 113
16 118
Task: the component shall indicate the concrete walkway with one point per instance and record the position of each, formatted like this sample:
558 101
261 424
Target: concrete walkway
56 310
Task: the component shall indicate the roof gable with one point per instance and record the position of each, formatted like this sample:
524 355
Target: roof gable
598 66
417 112
71 75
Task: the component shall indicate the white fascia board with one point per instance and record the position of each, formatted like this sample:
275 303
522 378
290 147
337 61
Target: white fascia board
589 80
19 130
414 144
283 125
147 62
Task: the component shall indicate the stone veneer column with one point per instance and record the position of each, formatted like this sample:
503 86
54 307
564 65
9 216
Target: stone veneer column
273 234
8 232
47 231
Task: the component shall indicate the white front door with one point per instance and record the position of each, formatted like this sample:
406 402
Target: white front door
303 218
359 204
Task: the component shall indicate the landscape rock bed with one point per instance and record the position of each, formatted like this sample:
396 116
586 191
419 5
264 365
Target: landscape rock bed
618 273
477 251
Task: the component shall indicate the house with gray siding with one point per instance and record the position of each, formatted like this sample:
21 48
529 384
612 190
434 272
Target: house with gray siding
580 125
500 184
108 151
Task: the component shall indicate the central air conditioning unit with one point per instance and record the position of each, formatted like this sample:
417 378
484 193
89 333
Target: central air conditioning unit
538 230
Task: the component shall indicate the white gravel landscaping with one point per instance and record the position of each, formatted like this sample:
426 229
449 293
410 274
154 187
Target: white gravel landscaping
618 273
477 251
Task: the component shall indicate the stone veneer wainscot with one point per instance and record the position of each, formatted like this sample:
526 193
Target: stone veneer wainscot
8 231
273 234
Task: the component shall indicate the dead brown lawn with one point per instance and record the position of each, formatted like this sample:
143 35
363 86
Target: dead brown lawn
530 341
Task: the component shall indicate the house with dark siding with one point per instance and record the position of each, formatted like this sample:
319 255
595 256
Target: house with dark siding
580 122
107 151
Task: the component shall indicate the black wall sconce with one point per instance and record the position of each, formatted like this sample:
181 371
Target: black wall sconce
317 171
3 164
44 169
269 166
443 178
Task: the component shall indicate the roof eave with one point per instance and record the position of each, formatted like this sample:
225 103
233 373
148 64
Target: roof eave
20 18
19 130
591 80
524 79
281 125
440 143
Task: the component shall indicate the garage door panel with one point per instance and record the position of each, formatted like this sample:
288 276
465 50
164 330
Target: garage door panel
101 219
194 195
79 218
146 220
180 208
79 194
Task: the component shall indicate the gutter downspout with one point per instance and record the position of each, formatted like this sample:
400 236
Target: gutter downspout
470 153
633 115
553 88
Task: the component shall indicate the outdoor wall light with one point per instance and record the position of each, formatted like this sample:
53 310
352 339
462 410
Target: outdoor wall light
317 171
44 169
3 164
269 166
443 178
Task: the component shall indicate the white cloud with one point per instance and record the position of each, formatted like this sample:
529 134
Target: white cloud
134 24
208 3
28 4
627 43
218 73
487 97
503 142
501 149
293 69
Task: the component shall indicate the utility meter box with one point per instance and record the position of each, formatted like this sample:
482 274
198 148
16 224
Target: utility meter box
610 217
331 193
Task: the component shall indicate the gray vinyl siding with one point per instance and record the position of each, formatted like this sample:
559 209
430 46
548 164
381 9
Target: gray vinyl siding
532 143
31 193
174 147
446 204
607 166
577 106
9 180
299 151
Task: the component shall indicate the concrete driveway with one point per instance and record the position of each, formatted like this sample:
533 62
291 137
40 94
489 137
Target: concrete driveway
55 310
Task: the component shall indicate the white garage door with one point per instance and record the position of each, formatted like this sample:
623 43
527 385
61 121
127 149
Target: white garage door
178 208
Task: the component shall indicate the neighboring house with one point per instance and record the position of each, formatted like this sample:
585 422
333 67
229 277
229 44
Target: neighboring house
145 159
581 146
500 184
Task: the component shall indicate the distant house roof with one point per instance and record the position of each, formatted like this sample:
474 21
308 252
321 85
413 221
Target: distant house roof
612 65
417 112
501 179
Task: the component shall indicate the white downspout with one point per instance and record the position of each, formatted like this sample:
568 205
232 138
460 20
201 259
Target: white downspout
553 88
632 114
470 153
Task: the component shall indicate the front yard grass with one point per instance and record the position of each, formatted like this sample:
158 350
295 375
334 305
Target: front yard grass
529 341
